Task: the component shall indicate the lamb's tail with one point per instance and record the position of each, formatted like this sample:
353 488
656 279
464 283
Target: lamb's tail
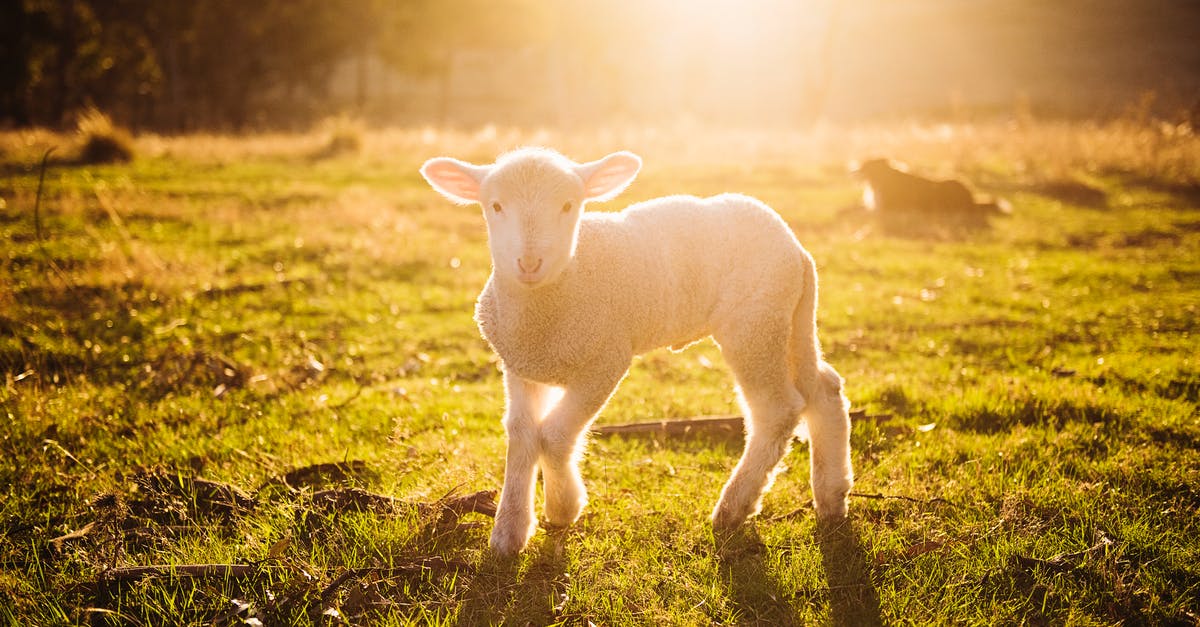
805 349
819 385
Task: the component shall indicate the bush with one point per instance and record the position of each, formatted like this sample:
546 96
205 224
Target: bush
101 141
345 136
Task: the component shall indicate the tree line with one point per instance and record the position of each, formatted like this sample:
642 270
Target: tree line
180 65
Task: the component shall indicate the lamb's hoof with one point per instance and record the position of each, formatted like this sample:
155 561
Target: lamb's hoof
564 515
724 520
508 541
832 510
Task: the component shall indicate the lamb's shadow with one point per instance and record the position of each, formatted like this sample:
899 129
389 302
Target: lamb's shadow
853 599
756 595
503 593
759 597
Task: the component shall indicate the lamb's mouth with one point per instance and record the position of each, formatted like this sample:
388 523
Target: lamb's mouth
530 279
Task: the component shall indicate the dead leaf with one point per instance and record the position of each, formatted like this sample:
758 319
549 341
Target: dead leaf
923 548
277 549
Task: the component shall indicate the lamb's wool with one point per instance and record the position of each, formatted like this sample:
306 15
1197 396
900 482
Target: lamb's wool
638 282
665 272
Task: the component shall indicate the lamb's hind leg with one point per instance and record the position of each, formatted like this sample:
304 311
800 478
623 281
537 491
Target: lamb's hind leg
828 420
758 358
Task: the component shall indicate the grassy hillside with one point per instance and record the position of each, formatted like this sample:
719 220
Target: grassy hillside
184 337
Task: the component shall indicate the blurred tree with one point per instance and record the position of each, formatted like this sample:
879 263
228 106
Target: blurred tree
423 37
176 64
21 31
234 63
820 64
593 45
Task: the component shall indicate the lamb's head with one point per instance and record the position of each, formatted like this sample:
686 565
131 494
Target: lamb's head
872 168
532 199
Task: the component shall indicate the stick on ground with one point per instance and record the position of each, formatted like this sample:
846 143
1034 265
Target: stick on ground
700 425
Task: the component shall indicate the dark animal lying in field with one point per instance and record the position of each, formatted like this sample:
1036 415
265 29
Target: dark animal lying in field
907 200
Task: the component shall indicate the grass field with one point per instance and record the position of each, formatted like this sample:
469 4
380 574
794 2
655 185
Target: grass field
185 336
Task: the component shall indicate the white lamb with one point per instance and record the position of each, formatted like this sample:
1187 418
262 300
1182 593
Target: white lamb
573 296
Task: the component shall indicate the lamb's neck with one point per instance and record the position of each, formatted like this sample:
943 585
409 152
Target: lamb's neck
519 295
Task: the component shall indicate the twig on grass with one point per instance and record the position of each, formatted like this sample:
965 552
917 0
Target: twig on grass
359 500
78 534
728 425
54 444
37 224
901 497
135 573
719 425
113 613
1063 561
898 497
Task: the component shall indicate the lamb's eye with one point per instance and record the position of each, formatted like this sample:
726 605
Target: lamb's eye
566 207
496 207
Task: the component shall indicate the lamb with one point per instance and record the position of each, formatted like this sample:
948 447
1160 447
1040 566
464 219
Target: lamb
904 199
574 296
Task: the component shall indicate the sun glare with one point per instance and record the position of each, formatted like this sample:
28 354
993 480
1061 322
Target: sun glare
729 59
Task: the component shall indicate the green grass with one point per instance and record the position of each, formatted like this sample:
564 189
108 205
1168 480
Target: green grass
232 309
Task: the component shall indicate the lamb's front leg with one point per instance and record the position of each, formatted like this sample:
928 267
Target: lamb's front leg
562 442
525 404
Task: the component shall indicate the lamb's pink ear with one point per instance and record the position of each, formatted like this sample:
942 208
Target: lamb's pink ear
457 180
607 177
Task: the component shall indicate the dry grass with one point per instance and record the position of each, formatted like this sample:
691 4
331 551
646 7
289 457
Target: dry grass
344 136
1029 149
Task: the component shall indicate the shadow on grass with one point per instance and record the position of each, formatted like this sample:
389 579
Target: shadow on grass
504 593
757 596
919 225
1186 192
995 416
853 599
1070 191
760 599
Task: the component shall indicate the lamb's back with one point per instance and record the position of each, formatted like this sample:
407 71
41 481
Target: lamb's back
684 258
